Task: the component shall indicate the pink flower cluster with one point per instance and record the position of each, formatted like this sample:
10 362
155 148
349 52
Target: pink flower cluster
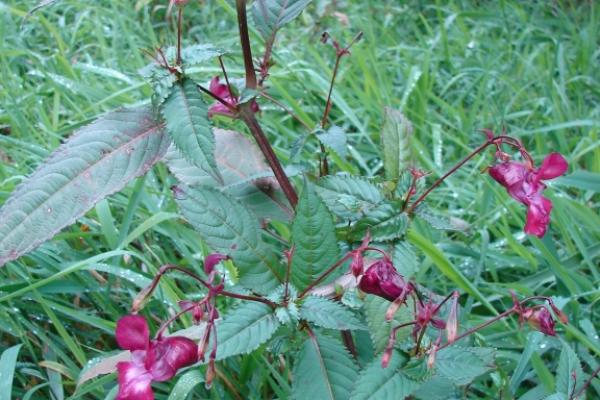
524 183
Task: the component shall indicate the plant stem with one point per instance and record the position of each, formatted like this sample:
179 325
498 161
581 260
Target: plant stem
179 29
225 75
325 274
217 98
165 268
245 42
478 327
447 174
249 119
587 383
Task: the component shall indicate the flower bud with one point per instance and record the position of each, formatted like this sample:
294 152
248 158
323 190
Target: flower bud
210 374
387 356
558 312
381 279
431 356
452 322
142 298
540 320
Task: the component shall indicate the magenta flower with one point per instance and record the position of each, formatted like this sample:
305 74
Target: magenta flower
222 91
425 316
151 360
524 184
213 259
382 279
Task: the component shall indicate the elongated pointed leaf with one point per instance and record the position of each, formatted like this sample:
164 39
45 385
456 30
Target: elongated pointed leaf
8 363
244 329
348 196
568 366
386 222
377 383
270 15
186 116
324 370
463 364
98 160
329 314
230 228
395 135
313 234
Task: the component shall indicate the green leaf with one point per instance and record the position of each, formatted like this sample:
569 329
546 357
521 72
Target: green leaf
377 383
405 260
438 388
228 227
334 138
395 141
440 222
568 364
244 329
386 222
379 328
270 15
186 384
323 370
95 162
313 235
246 175
329 314
348 196
8 364
186 116
462 365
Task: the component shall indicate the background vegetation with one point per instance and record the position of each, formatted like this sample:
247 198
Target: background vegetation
452 67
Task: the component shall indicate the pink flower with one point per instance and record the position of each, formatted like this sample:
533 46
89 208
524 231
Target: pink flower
151 360
382 279
524 184
222 90
213 259
425 315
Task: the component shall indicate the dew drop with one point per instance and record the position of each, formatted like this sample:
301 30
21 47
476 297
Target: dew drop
49 210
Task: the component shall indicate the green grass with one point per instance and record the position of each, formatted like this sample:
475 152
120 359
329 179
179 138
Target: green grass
452 67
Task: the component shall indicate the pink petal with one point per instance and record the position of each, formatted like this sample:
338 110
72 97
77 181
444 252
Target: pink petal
538 216
219 89
509 173
132 333
553 166
171 354
134 382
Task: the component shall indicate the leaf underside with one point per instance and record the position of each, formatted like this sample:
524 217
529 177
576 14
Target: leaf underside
270 15
96 161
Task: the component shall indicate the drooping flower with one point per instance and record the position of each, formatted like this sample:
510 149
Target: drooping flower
538 317
222 91
381 279
425 316
524 183
213 259
151 360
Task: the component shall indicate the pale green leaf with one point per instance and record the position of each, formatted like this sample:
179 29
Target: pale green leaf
348 196
186 384
244 329
334 138
323 370
8 364
313 235
395 141
270 15
405 259
384 223
230 228
186 116
379 328
329 314
462 365
568 365
95 162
